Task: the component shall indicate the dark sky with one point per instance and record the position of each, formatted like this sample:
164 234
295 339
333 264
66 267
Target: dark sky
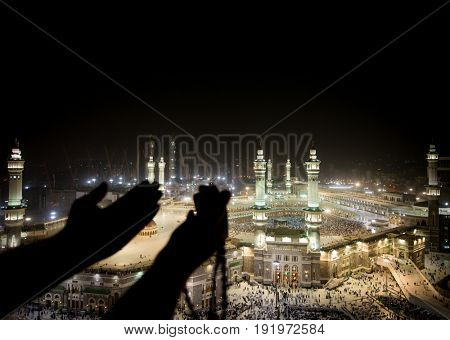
225 70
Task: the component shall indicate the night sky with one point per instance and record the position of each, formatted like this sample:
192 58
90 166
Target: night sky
224 70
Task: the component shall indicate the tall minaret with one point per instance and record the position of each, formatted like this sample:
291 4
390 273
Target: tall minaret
313 213
433 193
260 206
161 166
15 210
269 176
288 177
172 151
151 169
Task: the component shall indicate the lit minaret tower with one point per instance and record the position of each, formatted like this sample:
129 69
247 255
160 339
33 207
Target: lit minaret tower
313 213
433 193
15 210
151 169
161 166
172 151
269 176
259 214
288 177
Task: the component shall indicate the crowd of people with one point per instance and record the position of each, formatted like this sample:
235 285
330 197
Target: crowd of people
39 312
342 213
404 309
362 296
437 268
338 226
299 313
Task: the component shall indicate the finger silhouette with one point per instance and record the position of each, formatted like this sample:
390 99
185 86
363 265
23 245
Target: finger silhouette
96 195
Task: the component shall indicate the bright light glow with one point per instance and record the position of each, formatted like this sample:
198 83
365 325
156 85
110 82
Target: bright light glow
327 211
340 186
53 213
357 184
28 219
410 189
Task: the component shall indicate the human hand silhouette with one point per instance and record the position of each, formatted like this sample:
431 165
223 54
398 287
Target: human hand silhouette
192 243
204 232
98 233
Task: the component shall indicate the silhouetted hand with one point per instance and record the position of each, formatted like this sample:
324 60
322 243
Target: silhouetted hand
91 234
100 233
192 243
204 232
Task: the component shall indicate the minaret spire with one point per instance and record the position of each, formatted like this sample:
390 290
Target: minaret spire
15 209
433 193
288 177
161 166
151 169
259 166
313 213
269 176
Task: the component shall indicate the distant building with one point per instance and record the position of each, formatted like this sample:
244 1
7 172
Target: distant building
399 197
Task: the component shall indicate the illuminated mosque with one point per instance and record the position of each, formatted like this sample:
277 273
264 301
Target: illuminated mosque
280 243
